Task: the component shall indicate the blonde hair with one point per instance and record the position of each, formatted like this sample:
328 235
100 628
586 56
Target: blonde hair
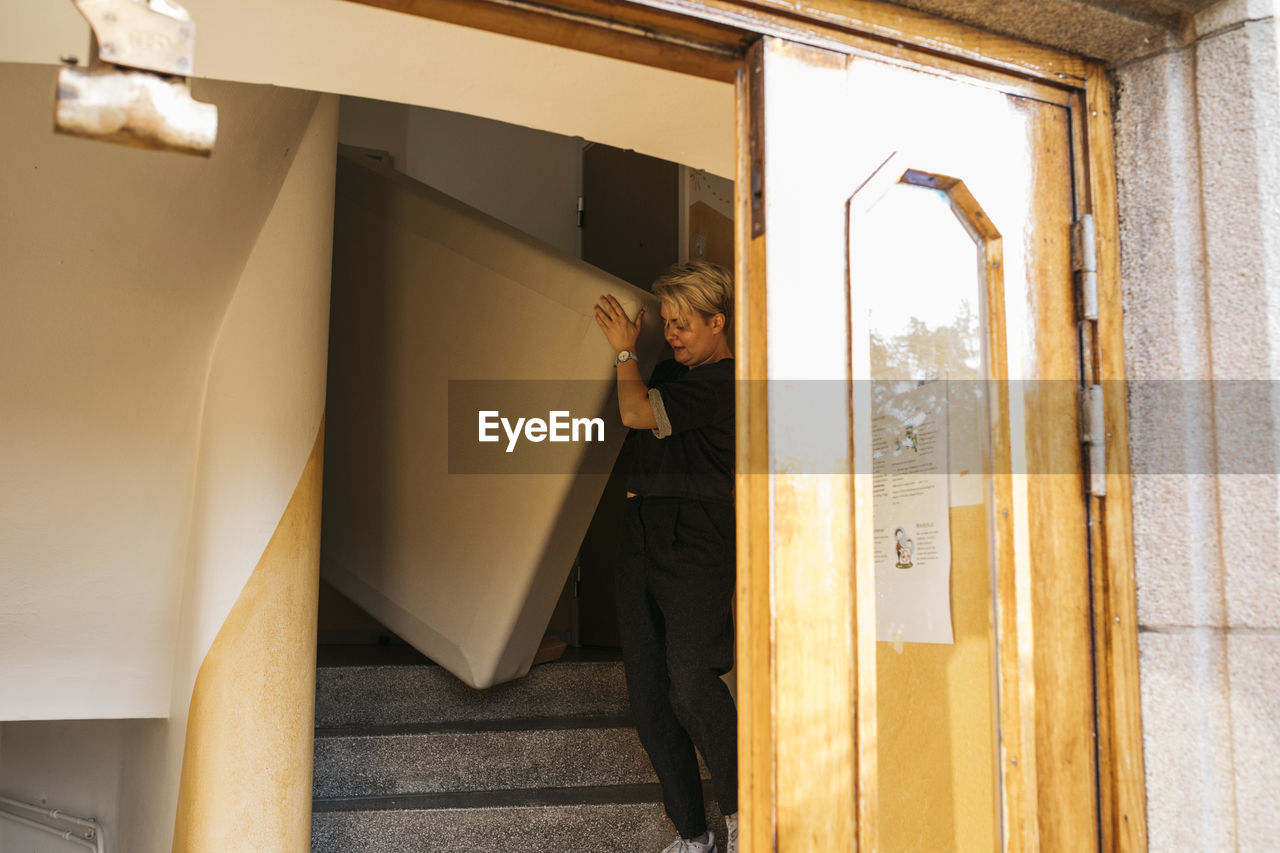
701 287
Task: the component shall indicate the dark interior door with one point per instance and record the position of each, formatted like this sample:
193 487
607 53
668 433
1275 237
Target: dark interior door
630 229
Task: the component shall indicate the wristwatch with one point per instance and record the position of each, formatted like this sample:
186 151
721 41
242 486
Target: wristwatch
625 355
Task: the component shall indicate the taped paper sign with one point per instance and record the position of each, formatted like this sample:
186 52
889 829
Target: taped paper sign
911 517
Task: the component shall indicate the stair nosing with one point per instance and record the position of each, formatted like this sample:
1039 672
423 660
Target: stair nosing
639 793
406 656
495 725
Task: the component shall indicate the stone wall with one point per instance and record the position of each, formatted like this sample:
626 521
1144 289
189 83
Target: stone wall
1198 160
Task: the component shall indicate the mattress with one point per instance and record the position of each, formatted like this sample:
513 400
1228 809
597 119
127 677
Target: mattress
450 515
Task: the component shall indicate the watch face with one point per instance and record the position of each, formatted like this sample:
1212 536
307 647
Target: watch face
625 355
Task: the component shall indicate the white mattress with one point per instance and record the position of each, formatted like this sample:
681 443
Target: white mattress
465 566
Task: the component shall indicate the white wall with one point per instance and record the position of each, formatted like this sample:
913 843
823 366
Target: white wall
528 178
382 125
73 765
119 265
265 394
162 359
350 49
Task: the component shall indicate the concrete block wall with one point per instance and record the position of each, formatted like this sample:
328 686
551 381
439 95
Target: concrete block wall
1198 161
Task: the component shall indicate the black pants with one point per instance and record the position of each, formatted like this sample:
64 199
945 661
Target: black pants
675 578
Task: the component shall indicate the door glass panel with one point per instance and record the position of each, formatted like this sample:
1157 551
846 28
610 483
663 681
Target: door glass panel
919 268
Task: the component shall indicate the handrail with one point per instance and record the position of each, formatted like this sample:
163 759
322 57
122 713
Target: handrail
65 835
93 839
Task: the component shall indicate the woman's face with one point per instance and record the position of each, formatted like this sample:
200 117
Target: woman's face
694 341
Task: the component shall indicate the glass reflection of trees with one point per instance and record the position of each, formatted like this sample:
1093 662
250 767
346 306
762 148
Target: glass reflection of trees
923 353
915 354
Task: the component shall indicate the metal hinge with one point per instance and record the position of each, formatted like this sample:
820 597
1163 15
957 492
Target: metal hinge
1093 430
1084 262
1093 435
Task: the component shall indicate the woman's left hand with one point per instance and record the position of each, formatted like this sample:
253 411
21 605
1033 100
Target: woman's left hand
621 331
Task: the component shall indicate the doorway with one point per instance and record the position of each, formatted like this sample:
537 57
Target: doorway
1060 690
629 215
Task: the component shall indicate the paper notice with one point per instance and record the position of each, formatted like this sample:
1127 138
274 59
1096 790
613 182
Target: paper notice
912 522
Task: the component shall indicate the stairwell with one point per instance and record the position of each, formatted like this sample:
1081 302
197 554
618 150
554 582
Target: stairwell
408 758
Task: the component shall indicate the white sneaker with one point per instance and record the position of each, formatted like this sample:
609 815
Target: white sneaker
731 844
684 845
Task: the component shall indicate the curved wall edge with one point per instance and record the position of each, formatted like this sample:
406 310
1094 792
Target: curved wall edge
264 407
247 761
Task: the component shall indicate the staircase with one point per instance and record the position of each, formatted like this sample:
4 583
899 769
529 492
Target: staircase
408 758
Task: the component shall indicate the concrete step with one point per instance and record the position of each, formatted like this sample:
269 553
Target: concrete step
618 819
408 758
382 695
479 756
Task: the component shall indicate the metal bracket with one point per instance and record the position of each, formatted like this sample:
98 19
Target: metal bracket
135 89
150 35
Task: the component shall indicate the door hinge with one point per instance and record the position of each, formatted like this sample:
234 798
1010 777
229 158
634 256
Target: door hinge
582 211
1093 435
1084 262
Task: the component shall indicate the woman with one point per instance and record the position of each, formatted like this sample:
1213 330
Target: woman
676 557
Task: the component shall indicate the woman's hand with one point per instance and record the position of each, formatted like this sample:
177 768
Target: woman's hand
621 331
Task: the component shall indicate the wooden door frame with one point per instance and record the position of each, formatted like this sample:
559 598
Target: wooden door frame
713 39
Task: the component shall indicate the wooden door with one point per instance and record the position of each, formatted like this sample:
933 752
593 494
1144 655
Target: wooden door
910 222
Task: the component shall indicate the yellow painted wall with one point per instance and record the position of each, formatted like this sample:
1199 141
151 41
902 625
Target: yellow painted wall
936 717
246 772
